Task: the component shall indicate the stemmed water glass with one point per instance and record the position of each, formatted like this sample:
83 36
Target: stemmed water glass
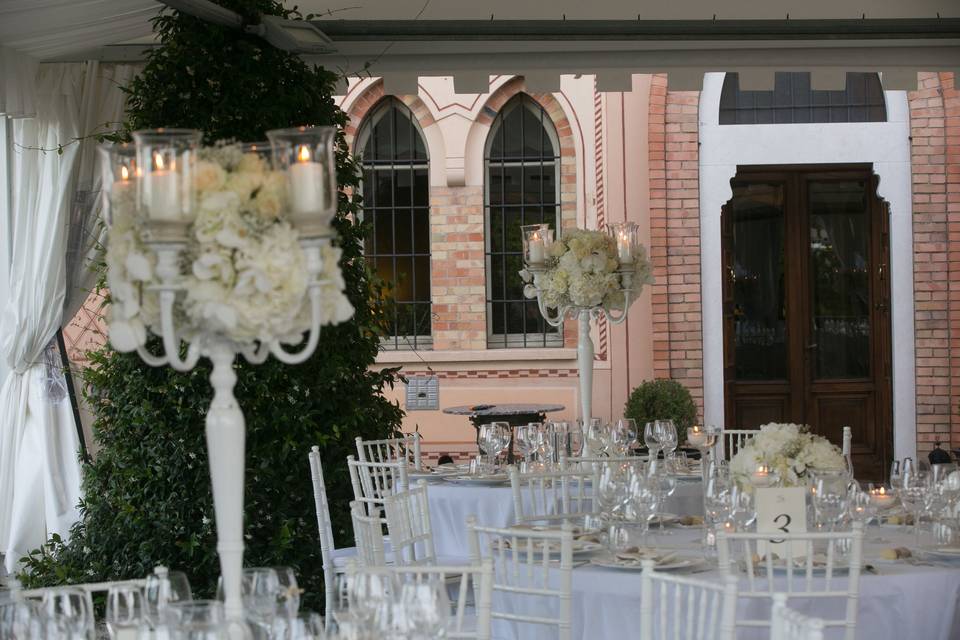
575 438
644 496
494 439
69 613
624 436
743 510
526 439
651 438
422 610
611 489
195 620
162 588
913 490
660 480
830 497
124 609
667 436
597 437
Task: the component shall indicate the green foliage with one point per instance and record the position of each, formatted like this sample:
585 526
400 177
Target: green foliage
147 495
662 400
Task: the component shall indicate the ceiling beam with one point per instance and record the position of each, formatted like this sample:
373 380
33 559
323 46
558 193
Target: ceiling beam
441 30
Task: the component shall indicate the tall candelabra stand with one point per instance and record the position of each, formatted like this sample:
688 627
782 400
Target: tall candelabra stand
555 317
158 170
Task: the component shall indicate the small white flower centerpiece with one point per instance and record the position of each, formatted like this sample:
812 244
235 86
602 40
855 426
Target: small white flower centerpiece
584 274
784 453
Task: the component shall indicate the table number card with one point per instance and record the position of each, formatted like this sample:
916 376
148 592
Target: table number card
781 510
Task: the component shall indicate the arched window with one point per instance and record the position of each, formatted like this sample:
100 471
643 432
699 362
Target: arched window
794 101
522 161
396 195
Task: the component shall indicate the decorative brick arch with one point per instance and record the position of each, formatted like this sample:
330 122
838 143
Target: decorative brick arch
370 98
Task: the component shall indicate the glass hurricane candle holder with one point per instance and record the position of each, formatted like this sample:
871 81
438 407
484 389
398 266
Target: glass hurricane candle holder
119 178
262 150
165 160
537 239
306 154
627 237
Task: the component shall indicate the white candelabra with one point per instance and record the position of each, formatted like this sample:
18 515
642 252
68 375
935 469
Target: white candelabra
160 167
537 241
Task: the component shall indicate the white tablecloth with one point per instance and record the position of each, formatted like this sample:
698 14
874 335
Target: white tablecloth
451 504
902 601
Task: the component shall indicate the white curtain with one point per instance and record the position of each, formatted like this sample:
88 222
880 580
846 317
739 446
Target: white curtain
39 467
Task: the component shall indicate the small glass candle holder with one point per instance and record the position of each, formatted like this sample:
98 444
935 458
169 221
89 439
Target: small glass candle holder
165 190
261 152
537 239
306 154
627 238
119 178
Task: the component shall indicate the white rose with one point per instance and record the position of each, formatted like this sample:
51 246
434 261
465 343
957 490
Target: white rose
127 335
209 176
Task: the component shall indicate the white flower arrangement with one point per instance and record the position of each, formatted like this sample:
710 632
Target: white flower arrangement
582 270
789 451
247 276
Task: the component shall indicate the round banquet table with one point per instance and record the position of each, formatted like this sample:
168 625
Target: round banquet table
897 600
451 504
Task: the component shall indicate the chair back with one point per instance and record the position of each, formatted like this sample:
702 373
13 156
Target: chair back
368 536
324 525
405 449
731 441
374 481
822 566
787 624
470 588
532 572
673 606
552 496
409 528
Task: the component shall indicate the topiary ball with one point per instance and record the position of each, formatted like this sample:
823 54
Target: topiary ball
662 400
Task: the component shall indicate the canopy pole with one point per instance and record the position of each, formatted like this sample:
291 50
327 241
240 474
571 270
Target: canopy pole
68 375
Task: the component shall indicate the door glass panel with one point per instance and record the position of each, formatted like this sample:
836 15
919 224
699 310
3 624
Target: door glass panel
840 279
758 282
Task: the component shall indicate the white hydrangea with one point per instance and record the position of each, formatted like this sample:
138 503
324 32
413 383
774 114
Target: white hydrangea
245 270
582 272
788 450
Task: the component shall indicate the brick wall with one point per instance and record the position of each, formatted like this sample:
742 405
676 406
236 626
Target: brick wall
935 157
675 236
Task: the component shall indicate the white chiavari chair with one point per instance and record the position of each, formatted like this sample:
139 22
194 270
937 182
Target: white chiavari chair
333 559
551 496
409 528
368 536
374 481
817 566
673 606
532 575
787 624
470 588
89 587
731 441
405 449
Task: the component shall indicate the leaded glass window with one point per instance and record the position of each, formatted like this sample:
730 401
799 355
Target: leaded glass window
522 163
396 195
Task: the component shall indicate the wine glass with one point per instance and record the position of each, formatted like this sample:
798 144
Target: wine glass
288 592
307 625
260 589
830 497
716 502
651 438
664 483
162 588
69 613
667 436
644 499
575 439
196 620
525 441
913 489
624 436
743 510
611 488
596 437
124 609
423 611
494 438
22 619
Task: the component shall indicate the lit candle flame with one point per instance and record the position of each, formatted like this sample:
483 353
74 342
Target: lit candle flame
304 154
124 174
535 237
882 491
158 161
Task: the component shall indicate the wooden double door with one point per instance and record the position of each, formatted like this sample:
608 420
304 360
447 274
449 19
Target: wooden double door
807 306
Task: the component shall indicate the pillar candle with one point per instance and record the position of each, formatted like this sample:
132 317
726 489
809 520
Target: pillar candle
306 184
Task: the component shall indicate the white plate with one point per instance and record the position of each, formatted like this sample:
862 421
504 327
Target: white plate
580 548
799 569
672 564
483 481
667 518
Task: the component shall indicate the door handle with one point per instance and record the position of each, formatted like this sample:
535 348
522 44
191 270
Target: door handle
811 347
